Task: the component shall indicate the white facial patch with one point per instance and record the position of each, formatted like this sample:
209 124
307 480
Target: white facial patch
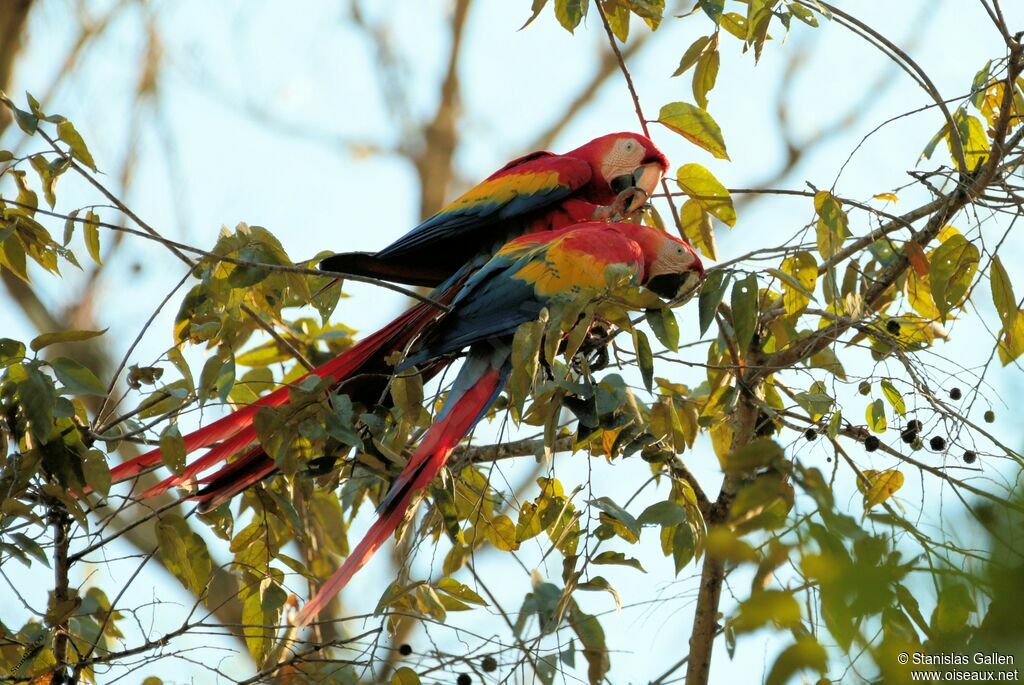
624 157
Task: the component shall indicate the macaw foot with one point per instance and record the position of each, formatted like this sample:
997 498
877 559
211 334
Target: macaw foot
625 205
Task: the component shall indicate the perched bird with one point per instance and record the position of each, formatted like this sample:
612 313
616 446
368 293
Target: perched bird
610 176
525 276
540 191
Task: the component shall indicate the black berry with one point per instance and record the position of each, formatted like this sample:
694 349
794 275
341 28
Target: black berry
908 436
937 443
463 679
990 416
914 425
488 664
864 388
893 326
970 457
405 650
955 394
810 435
871 443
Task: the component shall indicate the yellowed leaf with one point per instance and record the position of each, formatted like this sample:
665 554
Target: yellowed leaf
880 486
697 228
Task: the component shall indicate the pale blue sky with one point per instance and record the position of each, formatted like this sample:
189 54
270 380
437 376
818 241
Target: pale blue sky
303 62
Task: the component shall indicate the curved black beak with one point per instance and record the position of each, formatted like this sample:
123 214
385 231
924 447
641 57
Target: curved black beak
627 181
674 286
621 183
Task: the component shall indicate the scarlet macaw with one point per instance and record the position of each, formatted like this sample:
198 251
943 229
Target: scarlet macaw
525 276
539 192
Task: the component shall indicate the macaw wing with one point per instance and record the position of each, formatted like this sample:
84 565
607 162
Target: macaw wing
479 221
524 186
526 274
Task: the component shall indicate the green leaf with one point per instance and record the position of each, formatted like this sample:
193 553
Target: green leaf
644 358
693 54
76 378
805 654
651 11
12 255
1002 291
803 14
953 266
525 358
6 156
696 125
66 132
835 424
501 533
894 396
172 449
595 651
777 607
183 552
712 8
665 327
97 473
816 401
38 398
684 546
875 415
92 236
609 507
704 77
974 140
833 223
11 351
460 591
697 228
706 190
570 13
798 289
759 16
405 676
47 339
1011 338
734 23
744 310
617 559
711 294
538 7
30 546
929 149
667 513
27 122
953 609
756 454
618 15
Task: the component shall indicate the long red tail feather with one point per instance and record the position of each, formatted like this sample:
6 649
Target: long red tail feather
393 336
424 465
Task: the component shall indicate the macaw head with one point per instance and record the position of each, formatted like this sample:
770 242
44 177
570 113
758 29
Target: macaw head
622 161
672 268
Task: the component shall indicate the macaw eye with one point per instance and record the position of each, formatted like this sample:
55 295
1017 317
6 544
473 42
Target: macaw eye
629 146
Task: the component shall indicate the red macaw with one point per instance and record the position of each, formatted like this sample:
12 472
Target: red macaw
526 275
539 192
